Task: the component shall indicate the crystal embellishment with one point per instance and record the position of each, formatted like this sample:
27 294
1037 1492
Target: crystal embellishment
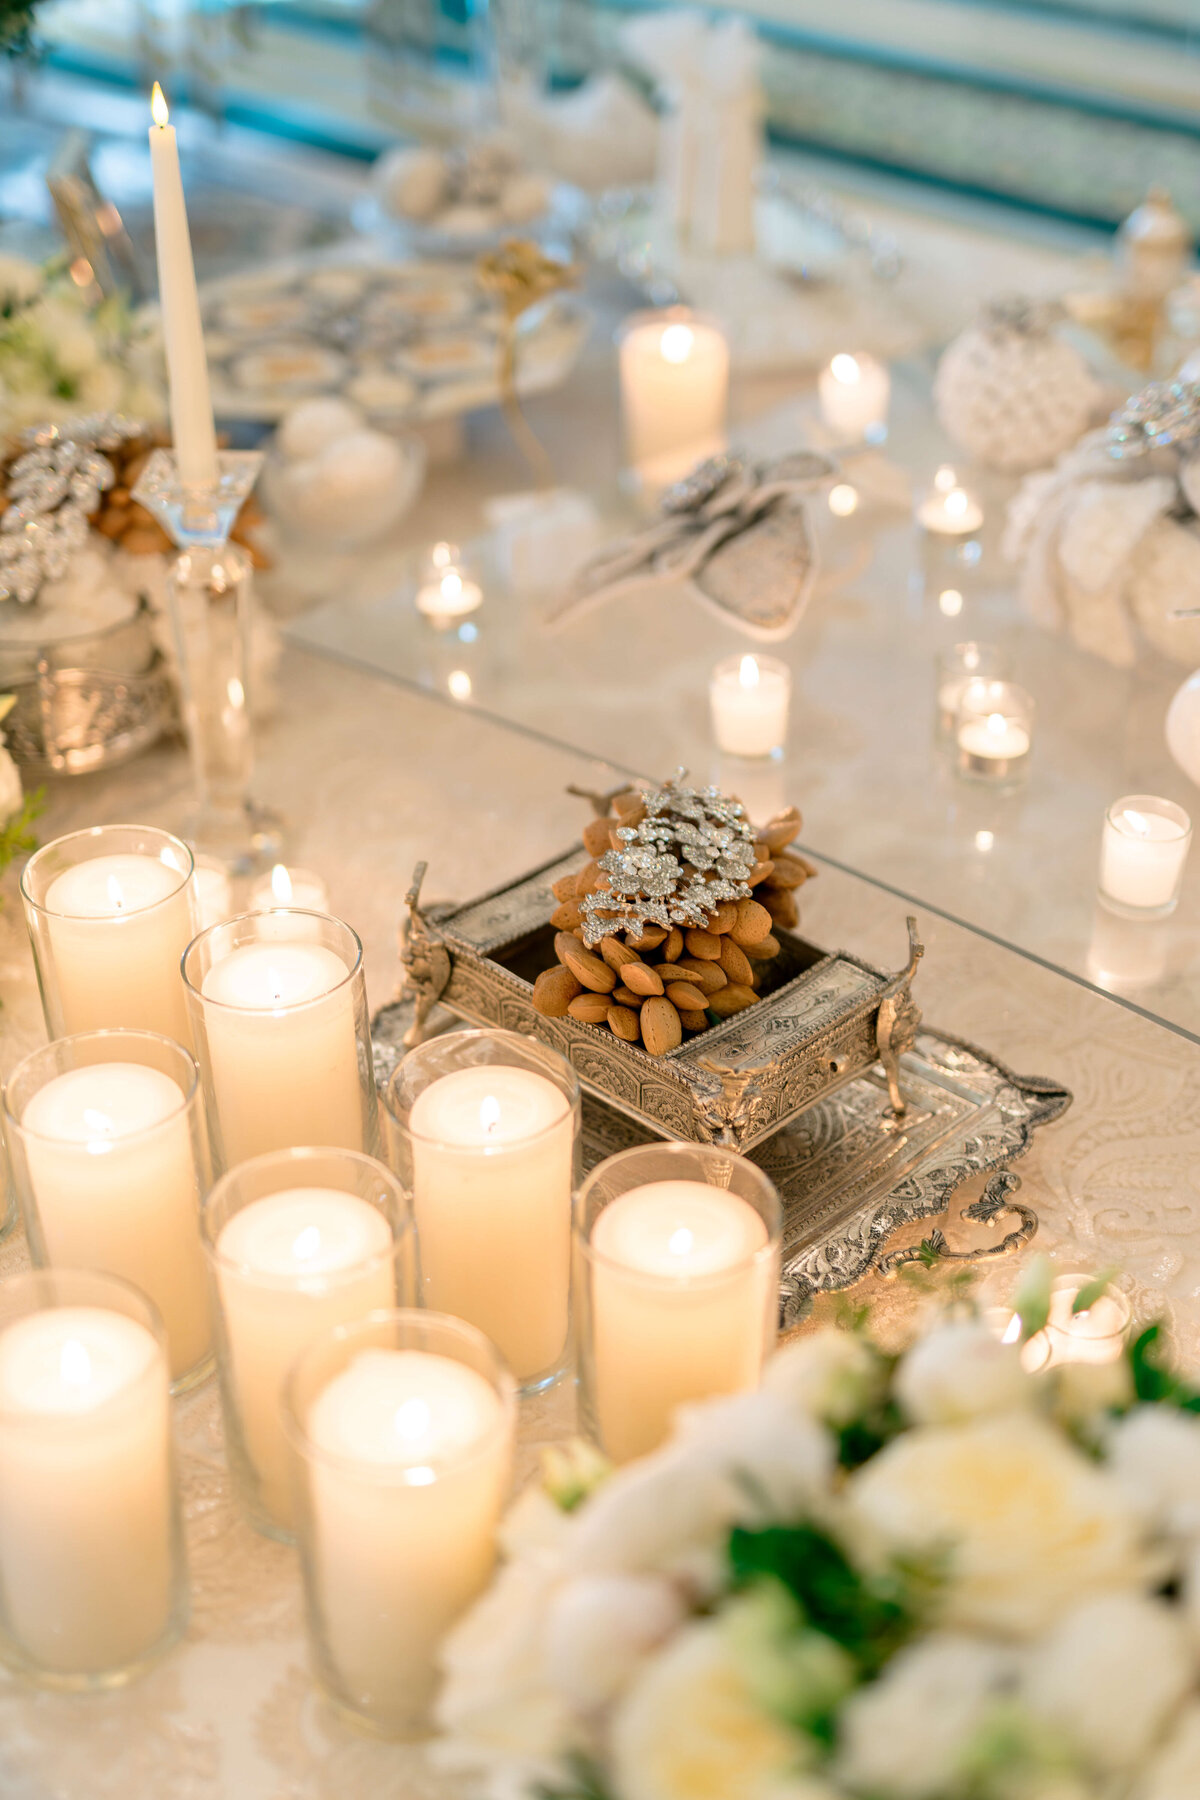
54 486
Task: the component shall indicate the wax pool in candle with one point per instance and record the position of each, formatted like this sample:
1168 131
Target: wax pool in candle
404 1541
749 699
1094 1334
493 1151
183 332
674 384
116 928
854 393
113 1172
85 1489
1143 851
281 1049
288 1267
993 739
289 887
680 1306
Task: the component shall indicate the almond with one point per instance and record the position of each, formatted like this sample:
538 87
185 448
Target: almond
590 1009
553 992
651 938
616 954
588 880
590 970
694 1021
753 923
734 962
641 978
673 945
778 832
685 997
760 871
634 814
781 904
626 997
628 801
566 916
729 1000
725 917
707 976
595 837
791 871
111 522
704 945
623 1023
563 888
764 950
660 1026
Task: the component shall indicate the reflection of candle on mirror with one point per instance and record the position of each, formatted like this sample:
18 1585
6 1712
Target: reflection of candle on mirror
289 887
854 393
949 510
749 697
1142 854
447 594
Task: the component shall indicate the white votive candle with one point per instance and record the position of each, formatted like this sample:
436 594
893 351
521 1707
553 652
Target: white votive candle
111 1166
492 1164
680 1299
1143 850
854 393
949 509
289 887
674 369
749 698
280 1047
451 595
408 1469
1094 1334
995 729
289 1267
85 1490
214 892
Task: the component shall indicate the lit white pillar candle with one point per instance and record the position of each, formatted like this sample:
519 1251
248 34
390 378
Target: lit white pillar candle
408 1470
854 393
192 426
85 1489
749 698
681 1296
112 1170
289 1267
279 1040
289 887
674 389
949 510
1142 854
493 1158
114 928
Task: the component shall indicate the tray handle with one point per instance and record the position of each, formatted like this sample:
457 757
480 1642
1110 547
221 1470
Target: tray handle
425 959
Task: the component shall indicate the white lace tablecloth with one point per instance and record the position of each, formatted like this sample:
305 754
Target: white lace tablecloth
374 777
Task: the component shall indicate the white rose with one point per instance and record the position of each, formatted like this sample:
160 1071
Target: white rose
101 388
960 1370
495 1700
689 1728
1027 1523
1108 1676
1174 1773
20 280
598 1630
907 1733
11 796
832 1375
1084 1393
1155 1454
534 1525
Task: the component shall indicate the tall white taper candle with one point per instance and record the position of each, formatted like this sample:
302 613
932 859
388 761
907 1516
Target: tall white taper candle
183 333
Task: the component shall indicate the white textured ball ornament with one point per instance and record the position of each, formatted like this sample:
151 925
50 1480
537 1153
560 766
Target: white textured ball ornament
524 197
351 491
1012 394
411 183
309 427
1183 727
1164 578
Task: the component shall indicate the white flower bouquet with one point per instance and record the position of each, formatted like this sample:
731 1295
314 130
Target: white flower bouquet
924 1577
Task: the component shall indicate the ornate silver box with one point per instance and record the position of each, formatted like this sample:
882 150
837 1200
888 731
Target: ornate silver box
823 1019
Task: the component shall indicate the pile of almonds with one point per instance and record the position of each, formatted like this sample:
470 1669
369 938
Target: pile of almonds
651 989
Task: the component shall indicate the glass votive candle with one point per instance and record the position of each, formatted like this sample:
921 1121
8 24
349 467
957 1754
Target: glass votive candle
854 392
1094 1334
483 1131
279 1016
110 912
402 1434
674 373
677 1256
994 730
214 890
447 591
92 1578
1143 850
281 886
110 1162
749 697
959 666
298 1241
1005 1324
949 509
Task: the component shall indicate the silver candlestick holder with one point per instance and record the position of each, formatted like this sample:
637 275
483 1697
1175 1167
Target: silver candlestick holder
210 600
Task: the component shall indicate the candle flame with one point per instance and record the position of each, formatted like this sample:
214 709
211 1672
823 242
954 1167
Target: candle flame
985 840
845 369
950 603
413 1418
236 693
680 1242
116 894
945 479
421 1476
451 585
442 555
996 724
843 500
1012 1330
459 684
1137 822
74 1363
956 502
158 106
676 343
971 656
489 1113
748 675
307 1243
281 885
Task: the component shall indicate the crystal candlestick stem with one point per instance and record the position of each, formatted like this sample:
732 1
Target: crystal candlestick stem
210 600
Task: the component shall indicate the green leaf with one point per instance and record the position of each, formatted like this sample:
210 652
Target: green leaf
1092 1291
1031 1298
16 835
585 1781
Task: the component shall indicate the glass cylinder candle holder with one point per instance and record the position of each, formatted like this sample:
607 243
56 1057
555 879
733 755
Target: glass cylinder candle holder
956 669
110 1162
483 1131
279 1014
674 371
854 392
1143 851
214 891
1093 1334
110 912
93 1583
994 730
749 697
297 1242
676 1295
402 1434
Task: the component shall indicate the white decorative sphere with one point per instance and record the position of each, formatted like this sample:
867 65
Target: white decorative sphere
352 491
524 197
1164 577
1013 395
309 427
410 183
1183 727
467 220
